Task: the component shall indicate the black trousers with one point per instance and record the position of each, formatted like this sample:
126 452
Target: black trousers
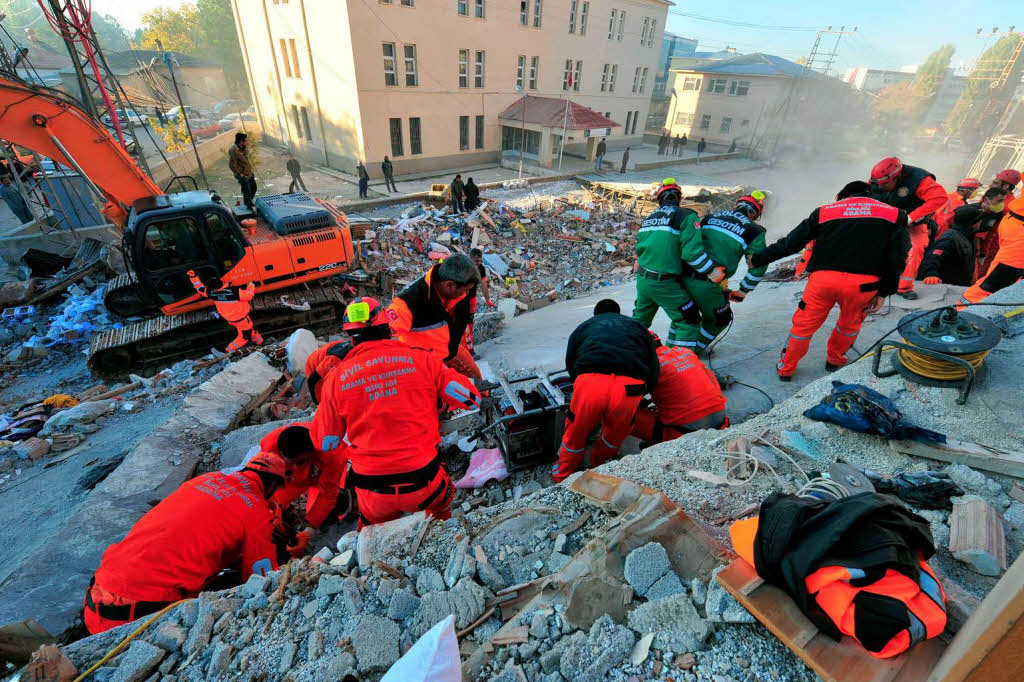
297 180
248 186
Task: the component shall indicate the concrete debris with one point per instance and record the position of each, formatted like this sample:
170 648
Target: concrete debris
589 657
376 643
82 413
977 537
138 662
593 597
645 566
299 347
722 606
387 541
674 621
460 565
403 604
666 586
428 581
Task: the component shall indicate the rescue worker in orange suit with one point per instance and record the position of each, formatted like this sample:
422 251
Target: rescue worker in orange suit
915 191
1008 265
320 363
987 242
232 304
213 522
434 311
957 198
860 249
687 398
950 258
383 399
613 363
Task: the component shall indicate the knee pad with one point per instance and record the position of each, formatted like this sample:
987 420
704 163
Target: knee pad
723 315
690 312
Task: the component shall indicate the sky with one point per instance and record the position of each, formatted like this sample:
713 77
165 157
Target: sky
890 33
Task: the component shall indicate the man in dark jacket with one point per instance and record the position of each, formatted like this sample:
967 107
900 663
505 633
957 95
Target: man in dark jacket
701 146
613 362
364 179
602 148
860 249
472 193
389 175
457 189
295 170
950 259
241 167
625 160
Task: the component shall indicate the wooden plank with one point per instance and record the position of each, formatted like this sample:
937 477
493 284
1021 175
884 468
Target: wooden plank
989 458
980 643
976 537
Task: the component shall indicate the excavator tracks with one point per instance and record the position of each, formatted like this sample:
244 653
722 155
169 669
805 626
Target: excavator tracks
123 298
159 341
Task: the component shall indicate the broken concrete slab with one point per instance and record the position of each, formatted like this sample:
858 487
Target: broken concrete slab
243 384
674 621
385 541
722 607
645 566
138 662
977 537
592 597
236 444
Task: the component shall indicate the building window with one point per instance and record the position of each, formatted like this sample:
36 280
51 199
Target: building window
636 79
684 119
636 117
411 77
567 75
536 13
305 124
520 70
478 70
396 136
584 11
572 16
463 133
512 140
298 122
691 83
478 8
629 120
650 34
479 132
415 137
726 124
463 68
611 25
622 24
739 88
604 77
407 3
578 76
534 68
745 123
524 13
463 7
611 77
717 85
705 121
295 58
284 58
643 33
643 79
390 77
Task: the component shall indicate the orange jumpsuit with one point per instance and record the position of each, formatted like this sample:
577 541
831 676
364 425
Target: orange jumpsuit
233 304
687 393
383 398
1008 265
321 477
944 216
933 197
212 522
986 244
321 361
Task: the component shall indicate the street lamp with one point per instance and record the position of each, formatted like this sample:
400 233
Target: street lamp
522 134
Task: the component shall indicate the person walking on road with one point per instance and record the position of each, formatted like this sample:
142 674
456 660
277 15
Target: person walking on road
701 146
12 197
599 159
625 160
682 145
364 179
662 143
295 170
458 188
241 166
389 175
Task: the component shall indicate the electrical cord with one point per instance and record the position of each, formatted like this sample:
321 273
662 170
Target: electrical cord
710 348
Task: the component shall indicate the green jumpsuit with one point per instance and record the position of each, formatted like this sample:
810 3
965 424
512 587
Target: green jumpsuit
668 244
728 236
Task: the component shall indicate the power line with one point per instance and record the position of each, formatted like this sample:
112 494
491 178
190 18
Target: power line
741 24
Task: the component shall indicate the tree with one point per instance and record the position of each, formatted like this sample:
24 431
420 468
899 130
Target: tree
978 109
220 41
25 21
928 80
176 30
891 104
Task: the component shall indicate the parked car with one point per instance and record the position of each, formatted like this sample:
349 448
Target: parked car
226 106
126 116
203 128
174 114
231 120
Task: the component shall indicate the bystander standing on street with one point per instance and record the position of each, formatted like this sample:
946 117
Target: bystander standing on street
701 146
389 175
457 189
599 159
241 166
625 160
472 193
364 179
295 170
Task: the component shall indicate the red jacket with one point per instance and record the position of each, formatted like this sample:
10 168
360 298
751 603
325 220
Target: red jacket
321 361
383 398
212 522
933 195
687 390
323 471
944 216
231 303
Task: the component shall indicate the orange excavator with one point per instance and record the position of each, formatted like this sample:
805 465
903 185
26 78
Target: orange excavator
289 241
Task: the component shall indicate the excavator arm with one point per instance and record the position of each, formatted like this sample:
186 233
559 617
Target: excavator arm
52 125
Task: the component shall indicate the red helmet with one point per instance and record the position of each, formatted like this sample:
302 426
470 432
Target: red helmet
886 170
751 202
668 185
1009 176
364 312
267 463
969 183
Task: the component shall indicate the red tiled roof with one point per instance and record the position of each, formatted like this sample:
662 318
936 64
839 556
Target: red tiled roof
549 111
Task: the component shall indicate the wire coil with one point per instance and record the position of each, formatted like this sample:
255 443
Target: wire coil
940 370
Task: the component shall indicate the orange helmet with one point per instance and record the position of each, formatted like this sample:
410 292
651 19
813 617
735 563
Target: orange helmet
886 170
969 183
667 189
1009 176
364 312
751 202
267 463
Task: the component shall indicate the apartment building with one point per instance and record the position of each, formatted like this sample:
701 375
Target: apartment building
672 46
425 81
874 81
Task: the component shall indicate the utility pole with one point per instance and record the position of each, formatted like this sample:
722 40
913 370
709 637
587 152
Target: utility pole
996 73
171 61
522 135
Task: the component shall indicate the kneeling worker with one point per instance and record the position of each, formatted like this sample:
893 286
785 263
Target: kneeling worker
951 258
686 399
613 363
860 250
211 523
383 398
321 361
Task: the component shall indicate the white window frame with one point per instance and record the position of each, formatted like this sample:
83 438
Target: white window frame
524 12
390 67
584 12
566 74
691 83
538 7
652 32
611 78
479 68
705 122
717 86
577 76
643 80
622 24
684 118
604 77
463 68
462 8
643 33
410 66
726 125
534 71
408 3
736 86
611 25
636 79
572 16
520 70
479 9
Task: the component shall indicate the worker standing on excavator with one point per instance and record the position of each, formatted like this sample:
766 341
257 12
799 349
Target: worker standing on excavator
232 304
668 246
381 405
213 522
915 191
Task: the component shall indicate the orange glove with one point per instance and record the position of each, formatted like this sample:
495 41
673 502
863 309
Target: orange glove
717 274
491 303
302 540
737 296
932 280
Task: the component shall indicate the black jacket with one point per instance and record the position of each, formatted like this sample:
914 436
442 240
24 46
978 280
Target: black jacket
904 195
471 191
613 344
293 166
951 256
856 235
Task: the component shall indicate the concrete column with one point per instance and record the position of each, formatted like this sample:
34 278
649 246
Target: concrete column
592 148
546 146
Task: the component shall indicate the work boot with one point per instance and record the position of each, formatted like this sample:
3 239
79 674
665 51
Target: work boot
783 377
909 295
829 367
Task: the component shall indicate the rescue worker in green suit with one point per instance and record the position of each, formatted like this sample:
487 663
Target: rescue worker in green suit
728 236
669 245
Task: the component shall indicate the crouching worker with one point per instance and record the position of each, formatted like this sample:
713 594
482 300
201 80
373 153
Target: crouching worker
686 399
612 361
233 304
213 522
320 363
383 399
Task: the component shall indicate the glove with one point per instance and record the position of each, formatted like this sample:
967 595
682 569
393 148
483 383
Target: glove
924 489
717 274
691 313
302 540
737 296
491 303
932 280
191 273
